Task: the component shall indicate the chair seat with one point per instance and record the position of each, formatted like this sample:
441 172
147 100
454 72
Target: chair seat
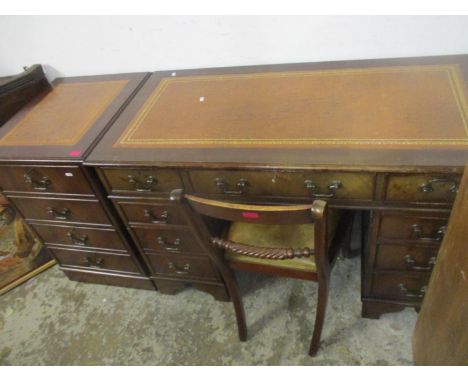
273 236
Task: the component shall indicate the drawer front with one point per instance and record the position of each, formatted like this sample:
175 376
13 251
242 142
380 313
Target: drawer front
405 258
83 211
78 236
151 213
65 180
422 188
182 266
333 185
97 277
400 287
165 240
95 260
424 229
142 181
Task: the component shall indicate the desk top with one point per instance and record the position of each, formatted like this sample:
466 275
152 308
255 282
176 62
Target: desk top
63 123
376 112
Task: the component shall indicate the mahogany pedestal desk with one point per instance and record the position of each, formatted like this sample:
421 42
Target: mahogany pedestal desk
42 148
388 137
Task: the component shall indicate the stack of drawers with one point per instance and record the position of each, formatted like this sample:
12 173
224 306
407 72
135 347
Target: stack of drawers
161 229
61 205
403 243
404 248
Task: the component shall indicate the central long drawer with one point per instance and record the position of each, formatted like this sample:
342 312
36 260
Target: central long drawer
320 184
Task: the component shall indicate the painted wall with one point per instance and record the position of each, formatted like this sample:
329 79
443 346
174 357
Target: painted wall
74 45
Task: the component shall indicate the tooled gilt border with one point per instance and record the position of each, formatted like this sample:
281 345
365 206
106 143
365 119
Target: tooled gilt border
10 140
451 70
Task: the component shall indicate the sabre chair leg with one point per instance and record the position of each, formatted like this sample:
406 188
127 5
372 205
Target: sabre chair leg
231 284
319 317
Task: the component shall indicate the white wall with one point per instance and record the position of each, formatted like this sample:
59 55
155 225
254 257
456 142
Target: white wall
83 45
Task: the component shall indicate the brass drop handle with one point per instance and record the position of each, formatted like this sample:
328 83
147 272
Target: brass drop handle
174 246
96 263
414 266
145 186
38 185
180 271
77 240
223 186
333 187
412 294
428 186
63 214
154 219
439 234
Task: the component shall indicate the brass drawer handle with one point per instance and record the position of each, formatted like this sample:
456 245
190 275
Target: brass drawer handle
145 186
78 240
94 263
419 294
180 271
223 186
333 187
169 246
428 186
414 266
38 185
63 214
438 235
154 219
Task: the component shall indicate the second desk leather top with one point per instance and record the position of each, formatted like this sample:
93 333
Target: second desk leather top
64 122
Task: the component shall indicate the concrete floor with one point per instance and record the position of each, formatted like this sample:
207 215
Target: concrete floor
53 321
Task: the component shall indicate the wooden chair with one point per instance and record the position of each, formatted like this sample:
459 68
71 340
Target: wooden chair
295 241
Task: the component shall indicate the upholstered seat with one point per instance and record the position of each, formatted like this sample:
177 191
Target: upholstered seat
273 236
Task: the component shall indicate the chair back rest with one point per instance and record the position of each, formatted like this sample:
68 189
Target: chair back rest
262 214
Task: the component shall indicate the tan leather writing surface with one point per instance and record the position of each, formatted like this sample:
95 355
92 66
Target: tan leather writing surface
64 115
385 106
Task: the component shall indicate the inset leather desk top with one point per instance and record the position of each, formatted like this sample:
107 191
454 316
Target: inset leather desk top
391 106
376 112
64 122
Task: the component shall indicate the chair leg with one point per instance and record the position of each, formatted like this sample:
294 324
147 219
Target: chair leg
319 317
231 284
